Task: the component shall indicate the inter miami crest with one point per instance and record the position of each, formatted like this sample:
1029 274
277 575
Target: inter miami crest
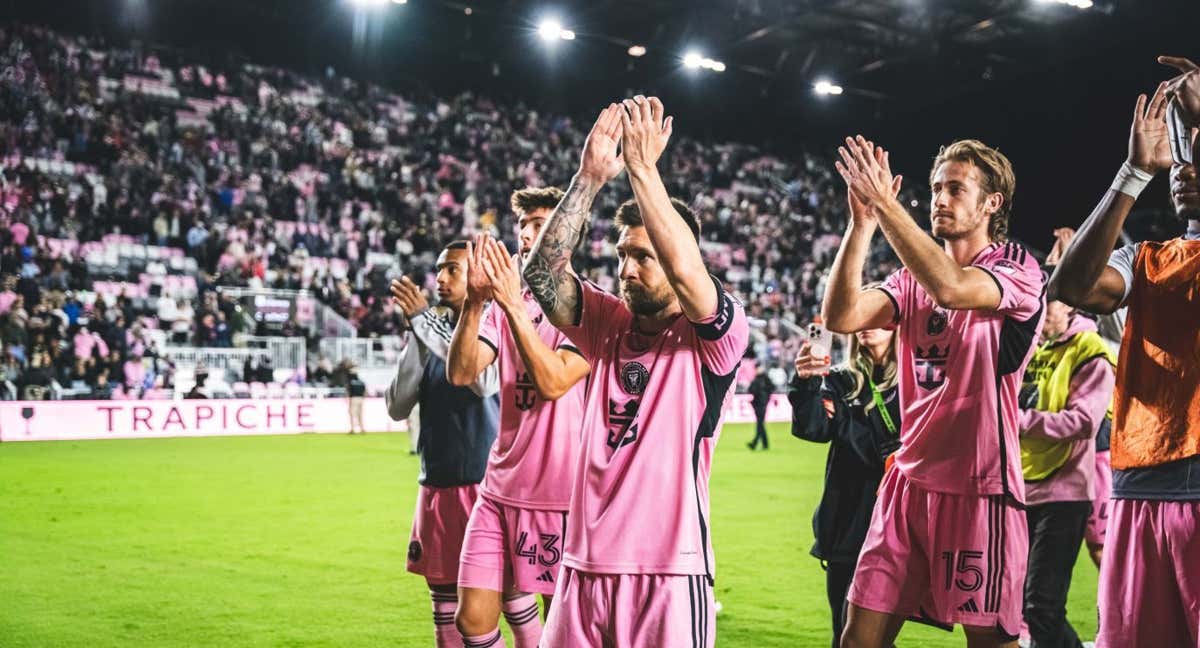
526 393
634 377
414 551
936 324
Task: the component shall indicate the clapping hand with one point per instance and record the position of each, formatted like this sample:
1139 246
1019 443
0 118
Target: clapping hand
479 288
503 273
868 175
644 131
600 160
408 297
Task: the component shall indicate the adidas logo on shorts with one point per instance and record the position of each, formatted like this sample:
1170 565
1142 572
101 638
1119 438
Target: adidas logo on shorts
546 577
969 606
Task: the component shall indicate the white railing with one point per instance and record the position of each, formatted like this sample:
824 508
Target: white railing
367 353
285 352
290 353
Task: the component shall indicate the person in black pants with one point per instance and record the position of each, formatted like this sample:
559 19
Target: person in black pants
855 409
761 389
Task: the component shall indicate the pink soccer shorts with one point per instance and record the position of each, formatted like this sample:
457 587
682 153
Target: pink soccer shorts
943 559
439 524
508 548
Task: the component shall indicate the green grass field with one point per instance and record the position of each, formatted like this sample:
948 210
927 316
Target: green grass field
299 541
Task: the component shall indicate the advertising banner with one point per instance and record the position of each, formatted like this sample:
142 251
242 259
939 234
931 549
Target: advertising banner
75 420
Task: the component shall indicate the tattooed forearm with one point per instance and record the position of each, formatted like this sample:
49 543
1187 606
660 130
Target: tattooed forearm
548 272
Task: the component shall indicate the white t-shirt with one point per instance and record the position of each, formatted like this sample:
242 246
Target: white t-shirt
1122 258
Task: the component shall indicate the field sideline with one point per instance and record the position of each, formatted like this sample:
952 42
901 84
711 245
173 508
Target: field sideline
299 541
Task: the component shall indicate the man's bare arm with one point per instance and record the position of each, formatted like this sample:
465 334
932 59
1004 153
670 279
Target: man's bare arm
548 273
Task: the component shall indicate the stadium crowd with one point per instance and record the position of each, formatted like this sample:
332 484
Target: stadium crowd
260 177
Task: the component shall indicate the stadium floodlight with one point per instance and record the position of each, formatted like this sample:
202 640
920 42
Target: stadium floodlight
551 30
637 50
399 1
710 64
1078 4
368 3
693 59
825 87
718 66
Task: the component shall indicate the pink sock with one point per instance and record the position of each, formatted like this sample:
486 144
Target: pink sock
445 635
492 639
524 620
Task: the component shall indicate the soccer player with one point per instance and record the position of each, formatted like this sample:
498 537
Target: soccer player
514 540
1149 584
1067 389
947 542
638 563
458 426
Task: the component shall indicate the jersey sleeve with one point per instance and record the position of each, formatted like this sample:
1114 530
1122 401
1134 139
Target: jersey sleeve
1019 278
595 317
722 337
1121 260
898 288
489 327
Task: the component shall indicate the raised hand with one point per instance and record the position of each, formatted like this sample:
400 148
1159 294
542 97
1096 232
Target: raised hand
1184 89
868 175
479 288
1062 240
1149 140
503 274
808 365
645 132
408 297
600 160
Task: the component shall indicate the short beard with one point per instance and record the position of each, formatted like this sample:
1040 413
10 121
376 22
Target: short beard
1186 214
642 303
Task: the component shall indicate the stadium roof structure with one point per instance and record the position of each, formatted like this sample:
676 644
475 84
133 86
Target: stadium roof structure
884 53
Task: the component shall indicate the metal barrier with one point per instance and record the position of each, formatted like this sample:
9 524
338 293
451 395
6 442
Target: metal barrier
286 353
367 353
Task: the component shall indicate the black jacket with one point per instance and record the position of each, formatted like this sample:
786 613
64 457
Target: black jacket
761 389
859 445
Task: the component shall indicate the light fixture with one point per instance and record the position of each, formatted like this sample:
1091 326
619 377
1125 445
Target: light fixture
551 30
637 50
825 87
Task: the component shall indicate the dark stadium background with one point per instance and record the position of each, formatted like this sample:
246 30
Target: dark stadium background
1052 86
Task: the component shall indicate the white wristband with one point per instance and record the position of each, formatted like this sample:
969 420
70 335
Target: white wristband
1131 180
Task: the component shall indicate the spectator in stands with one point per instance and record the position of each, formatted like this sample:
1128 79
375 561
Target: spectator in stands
102 389
266 370
116 368
135 373
35 382
181 326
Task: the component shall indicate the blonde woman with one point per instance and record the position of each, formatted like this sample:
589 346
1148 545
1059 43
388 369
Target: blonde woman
855 409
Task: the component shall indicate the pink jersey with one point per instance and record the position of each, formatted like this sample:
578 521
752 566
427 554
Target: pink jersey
960 372
531 461
639 504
